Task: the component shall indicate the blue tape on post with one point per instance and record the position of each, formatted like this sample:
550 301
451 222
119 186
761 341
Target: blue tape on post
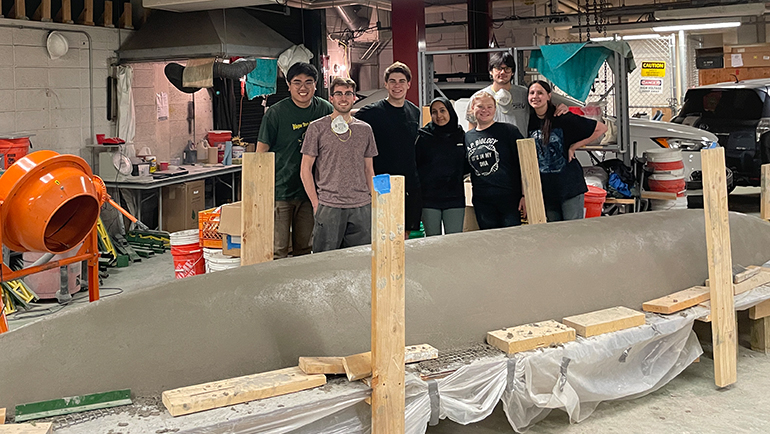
382 184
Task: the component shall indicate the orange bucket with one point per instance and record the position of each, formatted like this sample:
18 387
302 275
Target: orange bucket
594 201
187 253
12 149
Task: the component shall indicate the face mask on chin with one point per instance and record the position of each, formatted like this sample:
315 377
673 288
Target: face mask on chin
339 125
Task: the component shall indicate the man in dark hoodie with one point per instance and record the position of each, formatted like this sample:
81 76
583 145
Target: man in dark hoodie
441 165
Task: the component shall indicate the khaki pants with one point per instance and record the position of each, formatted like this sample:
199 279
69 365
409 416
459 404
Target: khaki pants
293 218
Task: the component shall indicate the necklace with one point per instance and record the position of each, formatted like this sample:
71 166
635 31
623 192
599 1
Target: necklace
350 134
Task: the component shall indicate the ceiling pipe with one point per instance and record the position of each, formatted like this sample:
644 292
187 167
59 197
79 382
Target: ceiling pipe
351 19
326 4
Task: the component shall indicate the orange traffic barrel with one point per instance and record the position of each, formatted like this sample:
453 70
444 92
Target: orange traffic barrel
50 203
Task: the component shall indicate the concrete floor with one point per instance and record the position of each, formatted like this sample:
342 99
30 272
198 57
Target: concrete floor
689 404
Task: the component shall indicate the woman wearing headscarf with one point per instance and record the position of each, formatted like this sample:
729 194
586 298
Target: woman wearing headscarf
557 138
441 164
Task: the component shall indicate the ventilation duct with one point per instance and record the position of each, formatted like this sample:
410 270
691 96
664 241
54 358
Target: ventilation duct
351 17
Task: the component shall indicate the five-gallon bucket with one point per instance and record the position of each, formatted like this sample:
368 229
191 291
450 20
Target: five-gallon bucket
594 201
668 183
219 262
665 160
187 253
12 150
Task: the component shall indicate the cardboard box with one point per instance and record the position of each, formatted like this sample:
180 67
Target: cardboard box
230 228
181 204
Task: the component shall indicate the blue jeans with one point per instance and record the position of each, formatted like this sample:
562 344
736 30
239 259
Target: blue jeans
497 211
570 209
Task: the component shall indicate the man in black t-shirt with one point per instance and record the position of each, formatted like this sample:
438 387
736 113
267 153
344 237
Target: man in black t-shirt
395 122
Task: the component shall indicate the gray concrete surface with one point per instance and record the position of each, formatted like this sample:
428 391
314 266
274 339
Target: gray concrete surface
263 317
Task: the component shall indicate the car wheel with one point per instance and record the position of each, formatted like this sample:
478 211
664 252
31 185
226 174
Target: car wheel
730 181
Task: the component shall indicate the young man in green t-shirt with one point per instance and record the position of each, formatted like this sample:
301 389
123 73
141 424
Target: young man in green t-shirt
282 131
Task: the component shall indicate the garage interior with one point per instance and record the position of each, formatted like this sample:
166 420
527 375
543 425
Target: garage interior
109 336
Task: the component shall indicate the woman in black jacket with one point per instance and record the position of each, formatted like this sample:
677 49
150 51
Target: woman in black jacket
441 165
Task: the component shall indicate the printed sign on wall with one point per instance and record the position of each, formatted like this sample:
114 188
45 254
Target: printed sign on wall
653 69
651 85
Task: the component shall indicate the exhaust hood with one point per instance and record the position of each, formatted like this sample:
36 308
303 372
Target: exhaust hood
217 33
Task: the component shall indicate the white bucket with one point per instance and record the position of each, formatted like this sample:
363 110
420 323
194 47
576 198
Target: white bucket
662 205
220 262
207 254
665 160
238 151
183 238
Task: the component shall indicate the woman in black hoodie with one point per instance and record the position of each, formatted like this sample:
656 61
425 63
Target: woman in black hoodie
441 165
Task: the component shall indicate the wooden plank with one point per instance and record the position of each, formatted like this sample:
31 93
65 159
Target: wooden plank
43 11
388 285
720 266
530 181
660 195
760 335
322 365
604 321
678 301
87 16
193 399
125 21
27 428
741 274
257 218
530 336
107 16
19 10
2 416
72 404
761 278
65 13
764 201
359 366
761 310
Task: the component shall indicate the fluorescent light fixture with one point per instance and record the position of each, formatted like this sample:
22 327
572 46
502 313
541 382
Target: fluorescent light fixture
627 37
705 26
723 11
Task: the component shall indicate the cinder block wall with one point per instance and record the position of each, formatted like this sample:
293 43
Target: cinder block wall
50 97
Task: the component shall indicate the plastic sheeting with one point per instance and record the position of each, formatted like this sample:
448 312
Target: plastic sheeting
126 116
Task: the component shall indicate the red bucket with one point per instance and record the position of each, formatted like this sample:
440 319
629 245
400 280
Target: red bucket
187 253
12 150
668 183
594 201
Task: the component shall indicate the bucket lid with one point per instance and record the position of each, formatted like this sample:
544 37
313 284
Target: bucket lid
594 191
181 238
663 155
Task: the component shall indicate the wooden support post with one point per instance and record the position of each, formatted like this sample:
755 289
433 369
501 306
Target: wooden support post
124 22
760 335
19 10
257 218
723 325
65 13
107 16
1 9
388 333
530 181
43 12
764 202
87 16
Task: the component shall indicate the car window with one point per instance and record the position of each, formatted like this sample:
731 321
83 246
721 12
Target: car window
739 104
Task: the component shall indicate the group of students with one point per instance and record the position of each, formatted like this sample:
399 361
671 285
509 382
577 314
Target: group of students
325 157
499 115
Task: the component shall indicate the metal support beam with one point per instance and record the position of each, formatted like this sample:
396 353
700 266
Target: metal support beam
408 22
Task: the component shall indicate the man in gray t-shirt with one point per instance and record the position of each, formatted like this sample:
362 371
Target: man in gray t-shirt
337 171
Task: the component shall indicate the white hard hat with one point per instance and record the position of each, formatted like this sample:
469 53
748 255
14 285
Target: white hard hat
57 45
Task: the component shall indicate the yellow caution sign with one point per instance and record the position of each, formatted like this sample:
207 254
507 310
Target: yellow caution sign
653 69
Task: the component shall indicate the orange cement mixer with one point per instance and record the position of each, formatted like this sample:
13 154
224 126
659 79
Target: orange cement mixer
50 203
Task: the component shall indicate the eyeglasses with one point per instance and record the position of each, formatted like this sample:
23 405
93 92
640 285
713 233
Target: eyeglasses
507 69
347 94
306 83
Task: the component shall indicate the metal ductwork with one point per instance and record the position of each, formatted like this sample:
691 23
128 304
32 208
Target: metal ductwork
217 33
351 18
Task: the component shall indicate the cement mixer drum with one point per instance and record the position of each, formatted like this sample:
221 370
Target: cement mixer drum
50 203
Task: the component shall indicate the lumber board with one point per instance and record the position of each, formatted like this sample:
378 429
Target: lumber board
125 21
761 310
530 181
744 273
87 16
530 336
257 207
107 16
359 366
72 404
604 321
43 12
65 13
719 254
762 277
760 335
193 399
678 301
2 416
27 428
19 10
764 201
660 195
388 305
322 365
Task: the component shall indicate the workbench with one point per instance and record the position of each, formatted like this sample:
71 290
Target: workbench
143 184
